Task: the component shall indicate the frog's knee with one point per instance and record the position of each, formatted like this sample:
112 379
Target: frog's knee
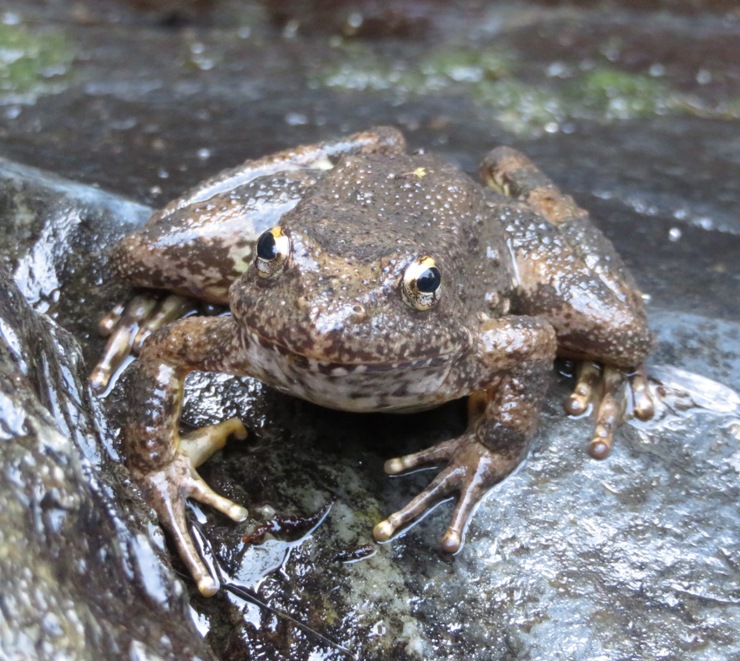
511 173
386 139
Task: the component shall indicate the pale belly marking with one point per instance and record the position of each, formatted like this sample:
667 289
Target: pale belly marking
361 388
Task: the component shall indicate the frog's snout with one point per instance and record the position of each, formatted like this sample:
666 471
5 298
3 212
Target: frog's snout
346 316
355 313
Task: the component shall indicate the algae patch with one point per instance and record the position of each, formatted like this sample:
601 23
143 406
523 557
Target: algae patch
522 99
363 68
616 95
32 62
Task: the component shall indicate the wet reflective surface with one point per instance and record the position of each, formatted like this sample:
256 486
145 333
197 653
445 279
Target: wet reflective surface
633 111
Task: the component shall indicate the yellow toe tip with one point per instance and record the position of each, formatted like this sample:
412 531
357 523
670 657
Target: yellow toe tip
238 513
451 541
599 449
383 531
99 379
207 586
393 466
575 405
644 411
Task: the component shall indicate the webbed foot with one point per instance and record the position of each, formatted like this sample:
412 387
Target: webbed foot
606 389
472 469
167 489
127 326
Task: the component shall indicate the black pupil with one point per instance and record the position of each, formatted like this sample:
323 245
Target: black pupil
428 282
266 247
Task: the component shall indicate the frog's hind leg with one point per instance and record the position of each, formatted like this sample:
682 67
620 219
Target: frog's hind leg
600 387
201 443
614 395
569 289
511 173
605 389
643 405
316 157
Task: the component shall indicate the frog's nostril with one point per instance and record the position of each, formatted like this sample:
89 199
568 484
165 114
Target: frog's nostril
358 313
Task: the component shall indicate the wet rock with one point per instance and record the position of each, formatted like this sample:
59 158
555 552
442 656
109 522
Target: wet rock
173 13
593 555
625 558
83 571
632 110
375 19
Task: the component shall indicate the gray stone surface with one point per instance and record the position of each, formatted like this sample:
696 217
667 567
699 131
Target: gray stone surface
634 111
84 575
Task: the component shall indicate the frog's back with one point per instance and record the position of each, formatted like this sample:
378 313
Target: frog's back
371 207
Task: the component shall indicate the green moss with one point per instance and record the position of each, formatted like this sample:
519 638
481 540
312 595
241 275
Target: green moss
449 67
601 95
491 79
730 109
520 107
363 68
612 94
31 62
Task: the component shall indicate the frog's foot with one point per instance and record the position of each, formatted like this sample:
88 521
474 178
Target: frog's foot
472 469
604 388
128 326
643 405
167 489
201 443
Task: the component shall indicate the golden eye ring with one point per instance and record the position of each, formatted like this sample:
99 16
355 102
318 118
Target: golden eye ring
422 283
273 250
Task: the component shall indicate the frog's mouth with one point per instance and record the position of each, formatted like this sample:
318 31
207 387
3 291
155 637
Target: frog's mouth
305 361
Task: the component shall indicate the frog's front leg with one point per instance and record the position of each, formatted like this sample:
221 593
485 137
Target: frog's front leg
509 370
160 461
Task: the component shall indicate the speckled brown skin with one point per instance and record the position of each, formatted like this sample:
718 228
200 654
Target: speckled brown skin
524 276
199 244
546 232
158 458
614 333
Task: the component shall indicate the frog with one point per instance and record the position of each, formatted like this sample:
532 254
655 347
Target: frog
363 277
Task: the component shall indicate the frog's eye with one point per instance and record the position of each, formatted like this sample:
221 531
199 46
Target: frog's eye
422 283
273 249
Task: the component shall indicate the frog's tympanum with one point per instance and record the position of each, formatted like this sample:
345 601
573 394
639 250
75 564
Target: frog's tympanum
362 278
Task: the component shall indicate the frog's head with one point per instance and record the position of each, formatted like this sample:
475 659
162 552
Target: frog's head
340 294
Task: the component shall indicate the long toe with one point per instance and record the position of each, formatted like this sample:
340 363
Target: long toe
609 413
440 487
436 454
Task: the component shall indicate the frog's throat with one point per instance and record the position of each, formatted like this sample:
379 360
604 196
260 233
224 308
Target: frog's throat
330 367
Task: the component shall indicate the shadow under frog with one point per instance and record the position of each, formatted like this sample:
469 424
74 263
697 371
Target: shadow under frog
362 278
